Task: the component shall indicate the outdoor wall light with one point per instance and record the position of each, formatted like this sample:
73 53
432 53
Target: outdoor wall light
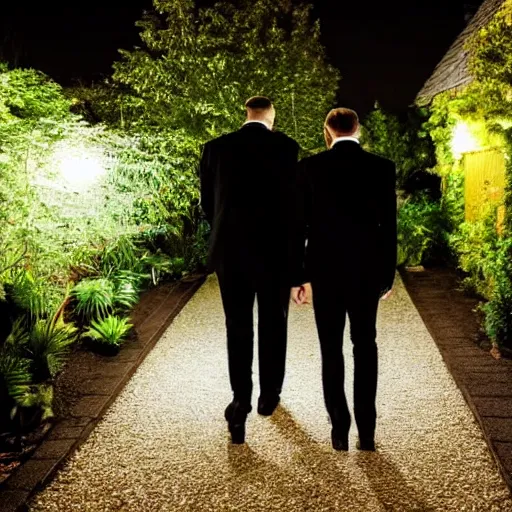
463 140
79 167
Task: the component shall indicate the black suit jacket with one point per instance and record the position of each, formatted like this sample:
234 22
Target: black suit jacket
347 213
247 185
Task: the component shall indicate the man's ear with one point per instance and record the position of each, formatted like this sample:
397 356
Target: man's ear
327 137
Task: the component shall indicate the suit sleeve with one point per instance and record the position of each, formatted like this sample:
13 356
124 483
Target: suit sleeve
207 178
301 224
388 224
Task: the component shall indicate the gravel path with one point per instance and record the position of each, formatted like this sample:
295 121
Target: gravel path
163 445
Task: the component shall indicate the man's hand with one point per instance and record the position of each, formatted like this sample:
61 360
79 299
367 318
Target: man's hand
302 294
387 295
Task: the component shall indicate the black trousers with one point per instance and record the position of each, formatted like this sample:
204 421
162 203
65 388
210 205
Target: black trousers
332 301
238 291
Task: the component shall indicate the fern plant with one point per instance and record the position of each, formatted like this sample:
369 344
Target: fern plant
15 377
15 380
17 339
160 265
40 398
111 330
28 294
127 285
93 298
48 347
121 254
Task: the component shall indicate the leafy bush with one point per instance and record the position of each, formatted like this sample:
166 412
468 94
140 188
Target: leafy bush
476 244
404 141
110 331
93 298
420 234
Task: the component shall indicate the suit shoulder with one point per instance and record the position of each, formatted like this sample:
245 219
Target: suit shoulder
285 139
218 141
380 160
314 159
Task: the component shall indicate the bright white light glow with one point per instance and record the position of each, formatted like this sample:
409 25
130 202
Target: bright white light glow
463 141
80 168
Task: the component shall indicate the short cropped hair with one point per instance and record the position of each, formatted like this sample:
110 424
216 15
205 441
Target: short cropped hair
261 103
342 120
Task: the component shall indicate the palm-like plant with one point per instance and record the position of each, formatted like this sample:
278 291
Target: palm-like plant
111 330
28 294
127 286
94 298
48 347
160 265
126 295
18 337
15 380
121 254
39 398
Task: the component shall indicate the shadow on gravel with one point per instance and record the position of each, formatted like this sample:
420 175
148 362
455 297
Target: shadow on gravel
388 483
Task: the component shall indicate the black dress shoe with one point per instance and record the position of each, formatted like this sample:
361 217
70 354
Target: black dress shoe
339 441
267 404
236 414
366 444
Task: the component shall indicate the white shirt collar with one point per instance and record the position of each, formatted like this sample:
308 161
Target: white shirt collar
339 139
256 121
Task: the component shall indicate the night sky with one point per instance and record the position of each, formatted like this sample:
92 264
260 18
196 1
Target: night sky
384 50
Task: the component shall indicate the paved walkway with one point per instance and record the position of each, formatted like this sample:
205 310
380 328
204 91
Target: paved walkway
163 445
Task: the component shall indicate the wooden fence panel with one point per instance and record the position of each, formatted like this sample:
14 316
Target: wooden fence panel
484 182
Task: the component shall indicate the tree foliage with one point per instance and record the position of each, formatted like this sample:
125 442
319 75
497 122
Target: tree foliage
404 141
490 64
197 68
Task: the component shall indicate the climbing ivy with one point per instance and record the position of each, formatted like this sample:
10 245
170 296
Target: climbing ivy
479 249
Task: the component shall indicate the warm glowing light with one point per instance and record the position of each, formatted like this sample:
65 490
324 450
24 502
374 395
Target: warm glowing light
80 168
463 140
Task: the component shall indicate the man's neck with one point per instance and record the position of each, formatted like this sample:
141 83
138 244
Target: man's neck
342 138
261 121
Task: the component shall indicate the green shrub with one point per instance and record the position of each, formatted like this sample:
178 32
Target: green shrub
476 244
498 310
420 233
93 298
110 331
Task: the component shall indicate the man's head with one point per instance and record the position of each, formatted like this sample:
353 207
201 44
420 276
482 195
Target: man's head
341 122
260 108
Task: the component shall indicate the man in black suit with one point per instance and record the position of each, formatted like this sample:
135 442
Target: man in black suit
347 213
247 180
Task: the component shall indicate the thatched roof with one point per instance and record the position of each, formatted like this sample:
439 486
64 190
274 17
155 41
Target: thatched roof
452 72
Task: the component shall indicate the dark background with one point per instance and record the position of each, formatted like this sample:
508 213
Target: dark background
384 50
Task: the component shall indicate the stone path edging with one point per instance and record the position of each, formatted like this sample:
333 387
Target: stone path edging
486 383
108 378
